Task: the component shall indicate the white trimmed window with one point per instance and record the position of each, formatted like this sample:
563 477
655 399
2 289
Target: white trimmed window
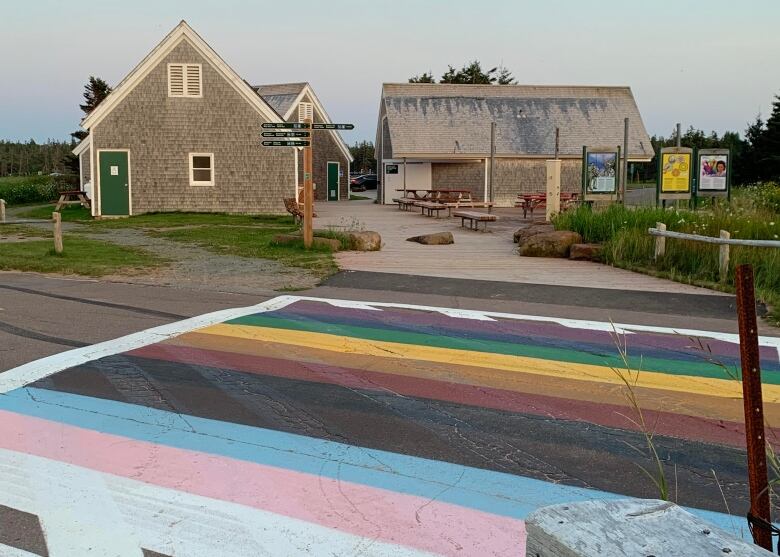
185 80
201 169
305 110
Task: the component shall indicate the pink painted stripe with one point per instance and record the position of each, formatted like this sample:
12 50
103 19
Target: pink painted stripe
361 510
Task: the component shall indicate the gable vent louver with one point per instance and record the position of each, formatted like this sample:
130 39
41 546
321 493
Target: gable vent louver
305 110
184 80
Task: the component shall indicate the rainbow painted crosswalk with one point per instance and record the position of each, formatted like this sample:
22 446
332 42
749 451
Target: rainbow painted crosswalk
329 427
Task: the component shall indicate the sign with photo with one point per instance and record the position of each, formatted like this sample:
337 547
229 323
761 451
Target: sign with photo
713 171
675 172
601 172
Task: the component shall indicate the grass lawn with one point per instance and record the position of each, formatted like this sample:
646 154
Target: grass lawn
23 231
81 256
242 235
255 241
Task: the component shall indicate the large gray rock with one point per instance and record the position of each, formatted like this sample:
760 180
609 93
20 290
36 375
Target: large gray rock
550 244
526 232
586 252
365 241
436 239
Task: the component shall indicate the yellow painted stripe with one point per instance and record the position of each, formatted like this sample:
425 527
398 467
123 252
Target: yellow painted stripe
522 364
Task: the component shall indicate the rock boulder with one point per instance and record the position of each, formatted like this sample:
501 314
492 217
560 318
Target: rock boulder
550 244
436 239
365 241
586 252
526 232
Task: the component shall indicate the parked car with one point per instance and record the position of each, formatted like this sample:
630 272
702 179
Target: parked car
366 182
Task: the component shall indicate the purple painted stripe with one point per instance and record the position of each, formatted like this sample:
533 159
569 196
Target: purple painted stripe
526 332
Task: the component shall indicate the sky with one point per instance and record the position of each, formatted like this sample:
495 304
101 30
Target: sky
711 64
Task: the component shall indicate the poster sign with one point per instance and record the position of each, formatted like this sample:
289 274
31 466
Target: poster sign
601 172
675 172
713 171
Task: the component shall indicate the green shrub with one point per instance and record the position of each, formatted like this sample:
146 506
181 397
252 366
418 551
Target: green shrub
33 189
627 243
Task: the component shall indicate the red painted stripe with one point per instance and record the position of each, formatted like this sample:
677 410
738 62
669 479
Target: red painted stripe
608 415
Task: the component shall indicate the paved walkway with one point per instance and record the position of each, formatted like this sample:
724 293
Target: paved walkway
475 255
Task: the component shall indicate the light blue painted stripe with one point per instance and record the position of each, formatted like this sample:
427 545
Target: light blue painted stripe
485 490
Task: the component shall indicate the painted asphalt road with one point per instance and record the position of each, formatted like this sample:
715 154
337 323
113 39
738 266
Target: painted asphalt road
313 426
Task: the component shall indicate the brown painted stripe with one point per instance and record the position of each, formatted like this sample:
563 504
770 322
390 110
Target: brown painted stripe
703 406
609 415
22 530
150 553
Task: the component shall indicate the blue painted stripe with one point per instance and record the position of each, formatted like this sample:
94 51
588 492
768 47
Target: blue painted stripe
489 491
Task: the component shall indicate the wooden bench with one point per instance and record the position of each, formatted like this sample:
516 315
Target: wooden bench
405 202
430 207
292 206
475 218
72 197
529 202
470 205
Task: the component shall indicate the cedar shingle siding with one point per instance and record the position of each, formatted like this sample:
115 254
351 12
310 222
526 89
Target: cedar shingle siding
160 132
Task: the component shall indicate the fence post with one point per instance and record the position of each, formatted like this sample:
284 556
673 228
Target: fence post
660 241
57 220
723 258
760 513
2 210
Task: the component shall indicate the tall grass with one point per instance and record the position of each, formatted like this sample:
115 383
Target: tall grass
32 189
751 215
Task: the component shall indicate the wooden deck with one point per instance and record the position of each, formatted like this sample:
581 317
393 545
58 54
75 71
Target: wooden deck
480 255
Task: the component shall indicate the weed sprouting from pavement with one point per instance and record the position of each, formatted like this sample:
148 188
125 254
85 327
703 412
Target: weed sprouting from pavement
629 379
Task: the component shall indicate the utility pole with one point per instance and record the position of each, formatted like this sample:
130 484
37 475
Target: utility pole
679 135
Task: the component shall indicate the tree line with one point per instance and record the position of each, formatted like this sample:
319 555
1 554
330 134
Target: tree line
19 158
470 73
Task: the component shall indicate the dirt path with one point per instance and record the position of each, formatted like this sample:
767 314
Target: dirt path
191 266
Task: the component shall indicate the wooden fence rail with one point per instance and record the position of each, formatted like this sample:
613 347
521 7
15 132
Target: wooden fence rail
724 241
56 220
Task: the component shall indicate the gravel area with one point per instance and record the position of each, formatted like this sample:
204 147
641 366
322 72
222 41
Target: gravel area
194 267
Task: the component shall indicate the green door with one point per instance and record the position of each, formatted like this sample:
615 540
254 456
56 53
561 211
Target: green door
333 181
114 183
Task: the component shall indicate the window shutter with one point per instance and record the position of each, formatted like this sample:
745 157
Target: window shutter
193 80
175 80
305 110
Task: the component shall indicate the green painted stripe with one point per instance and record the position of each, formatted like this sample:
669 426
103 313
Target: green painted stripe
669 366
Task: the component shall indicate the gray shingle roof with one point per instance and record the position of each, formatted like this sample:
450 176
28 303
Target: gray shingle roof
447 119
280 95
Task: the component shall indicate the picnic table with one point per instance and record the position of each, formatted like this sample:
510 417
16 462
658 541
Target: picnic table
72 197
531 201
418 194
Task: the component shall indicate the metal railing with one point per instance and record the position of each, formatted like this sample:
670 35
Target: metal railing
724 241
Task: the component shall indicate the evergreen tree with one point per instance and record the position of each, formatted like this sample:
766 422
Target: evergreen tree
768 145
505 77
363 153
94 92
426 77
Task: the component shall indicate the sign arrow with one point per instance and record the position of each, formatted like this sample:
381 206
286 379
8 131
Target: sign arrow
332 127
286 143
286 134
286 125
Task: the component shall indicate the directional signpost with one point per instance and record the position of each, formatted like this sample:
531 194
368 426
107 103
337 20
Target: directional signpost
286 141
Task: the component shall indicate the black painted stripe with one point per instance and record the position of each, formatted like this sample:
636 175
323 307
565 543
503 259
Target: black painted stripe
573 453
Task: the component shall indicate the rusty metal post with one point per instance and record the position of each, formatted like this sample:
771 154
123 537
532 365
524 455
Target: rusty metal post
754 406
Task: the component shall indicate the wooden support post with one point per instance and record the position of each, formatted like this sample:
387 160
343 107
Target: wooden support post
660 242
308 191
723 258
57 220
754 406
553 205
2 210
